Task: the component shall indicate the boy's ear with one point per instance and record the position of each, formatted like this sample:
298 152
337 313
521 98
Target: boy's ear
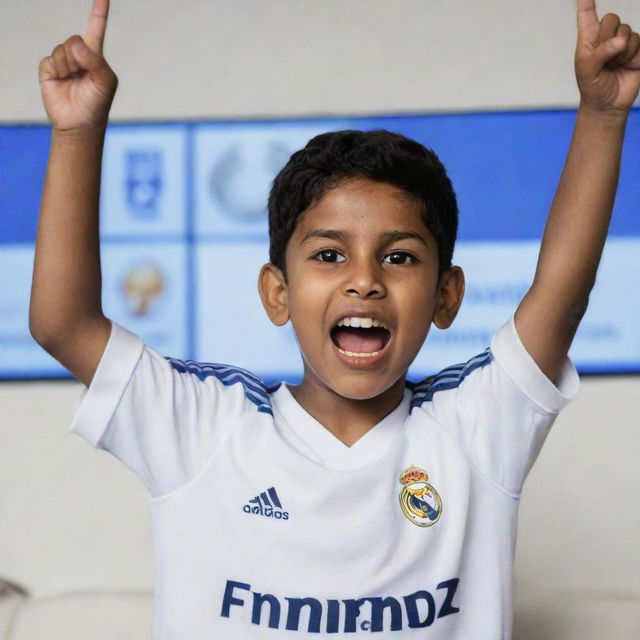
273 290
450 293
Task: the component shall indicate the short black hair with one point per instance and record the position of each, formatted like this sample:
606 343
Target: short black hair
383 156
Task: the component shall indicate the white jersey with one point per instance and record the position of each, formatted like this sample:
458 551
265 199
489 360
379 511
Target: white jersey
265 525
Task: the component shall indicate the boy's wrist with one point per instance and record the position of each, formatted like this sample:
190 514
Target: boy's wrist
91 133
614 117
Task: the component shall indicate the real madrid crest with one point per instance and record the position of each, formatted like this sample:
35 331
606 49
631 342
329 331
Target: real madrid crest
420 502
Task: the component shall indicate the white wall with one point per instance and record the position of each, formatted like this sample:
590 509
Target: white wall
233 58
206 58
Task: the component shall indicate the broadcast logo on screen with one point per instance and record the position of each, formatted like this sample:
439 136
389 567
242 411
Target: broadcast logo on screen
240 178
144 182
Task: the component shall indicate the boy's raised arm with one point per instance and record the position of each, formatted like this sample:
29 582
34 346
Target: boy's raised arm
65 313
607 64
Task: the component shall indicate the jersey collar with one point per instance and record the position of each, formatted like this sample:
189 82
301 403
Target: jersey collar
315 441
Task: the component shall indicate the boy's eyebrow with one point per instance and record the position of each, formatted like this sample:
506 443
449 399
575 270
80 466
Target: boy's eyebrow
323 233
394 236
387 236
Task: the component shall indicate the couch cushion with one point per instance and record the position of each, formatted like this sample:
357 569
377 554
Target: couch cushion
77 616
573 615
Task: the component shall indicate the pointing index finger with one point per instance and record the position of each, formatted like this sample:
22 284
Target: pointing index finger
97 25
587 16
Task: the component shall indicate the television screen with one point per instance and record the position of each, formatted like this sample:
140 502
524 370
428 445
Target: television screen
184 233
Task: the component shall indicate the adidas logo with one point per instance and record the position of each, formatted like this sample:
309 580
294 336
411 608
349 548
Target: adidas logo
267 504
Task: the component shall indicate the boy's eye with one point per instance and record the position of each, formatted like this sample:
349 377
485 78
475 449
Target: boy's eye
399 257
329 255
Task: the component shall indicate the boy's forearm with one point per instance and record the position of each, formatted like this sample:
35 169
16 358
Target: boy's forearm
579 218
66 288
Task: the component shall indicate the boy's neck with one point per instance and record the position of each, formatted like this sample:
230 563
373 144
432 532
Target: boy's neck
347 419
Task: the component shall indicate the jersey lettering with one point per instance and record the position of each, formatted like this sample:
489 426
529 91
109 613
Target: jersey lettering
447 607
420 610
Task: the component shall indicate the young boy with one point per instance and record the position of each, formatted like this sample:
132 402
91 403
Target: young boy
354 502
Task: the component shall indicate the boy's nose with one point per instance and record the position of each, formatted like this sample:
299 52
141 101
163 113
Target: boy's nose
372 293
364 282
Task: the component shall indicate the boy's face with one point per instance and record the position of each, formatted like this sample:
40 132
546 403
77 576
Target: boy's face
361 251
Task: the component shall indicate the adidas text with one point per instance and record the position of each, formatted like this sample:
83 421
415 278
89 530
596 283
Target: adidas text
269 512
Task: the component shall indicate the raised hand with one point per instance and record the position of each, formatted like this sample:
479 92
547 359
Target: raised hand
607 61
76 82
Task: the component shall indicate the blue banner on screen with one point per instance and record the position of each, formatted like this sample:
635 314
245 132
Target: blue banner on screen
184 233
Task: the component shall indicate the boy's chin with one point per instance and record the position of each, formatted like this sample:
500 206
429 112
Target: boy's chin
366 387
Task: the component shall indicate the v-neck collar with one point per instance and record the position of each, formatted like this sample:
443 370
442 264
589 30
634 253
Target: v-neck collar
318 443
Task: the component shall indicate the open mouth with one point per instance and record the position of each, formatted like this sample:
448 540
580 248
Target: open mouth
363 342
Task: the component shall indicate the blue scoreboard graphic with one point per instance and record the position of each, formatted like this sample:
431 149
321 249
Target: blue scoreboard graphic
184 233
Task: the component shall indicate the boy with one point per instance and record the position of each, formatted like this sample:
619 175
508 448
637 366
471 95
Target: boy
354 502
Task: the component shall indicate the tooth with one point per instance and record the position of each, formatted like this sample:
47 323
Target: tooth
355 322
366 323
351 354
340 323
346 322
375 323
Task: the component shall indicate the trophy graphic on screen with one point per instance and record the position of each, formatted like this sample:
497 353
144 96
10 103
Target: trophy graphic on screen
142 287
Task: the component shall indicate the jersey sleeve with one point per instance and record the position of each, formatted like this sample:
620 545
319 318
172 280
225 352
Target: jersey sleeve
499 407
161 417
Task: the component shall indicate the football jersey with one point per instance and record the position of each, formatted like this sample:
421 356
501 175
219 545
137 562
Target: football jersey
266 525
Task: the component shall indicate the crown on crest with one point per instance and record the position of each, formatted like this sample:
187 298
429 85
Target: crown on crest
414 474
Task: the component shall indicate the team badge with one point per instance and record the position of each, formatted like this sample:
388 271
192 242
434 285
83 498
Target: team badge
420 502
